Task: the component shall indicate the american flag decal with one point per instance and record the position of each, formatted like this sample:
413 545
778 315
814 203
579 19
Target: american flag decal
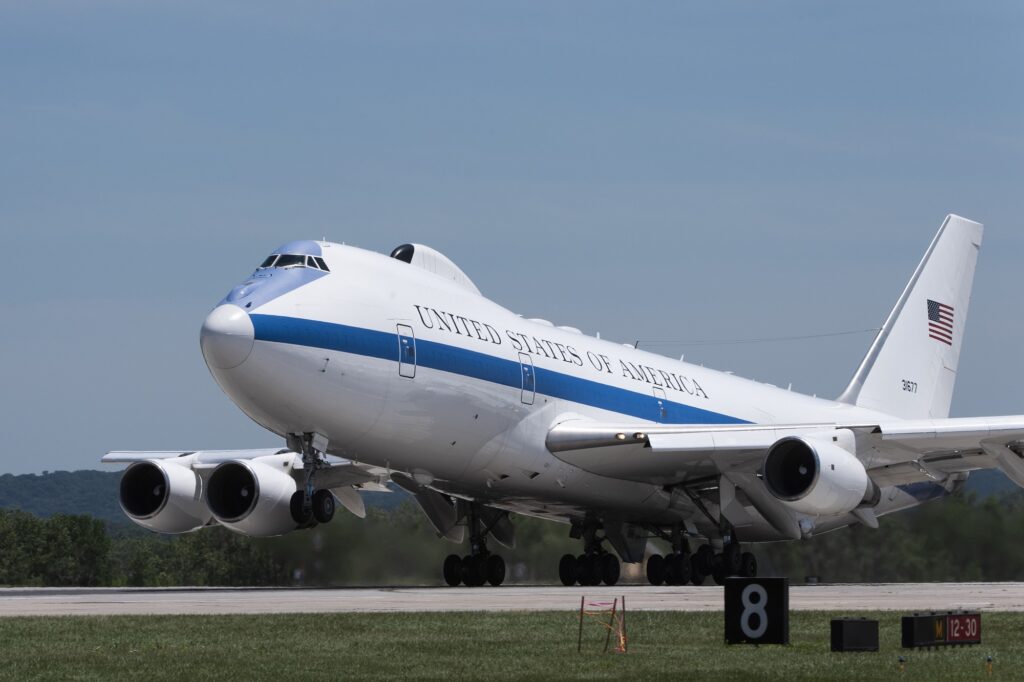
940 322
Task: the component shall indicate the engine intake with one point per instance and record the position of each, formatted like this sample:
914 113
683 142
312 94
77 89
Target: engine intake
164 496
816 476
253 496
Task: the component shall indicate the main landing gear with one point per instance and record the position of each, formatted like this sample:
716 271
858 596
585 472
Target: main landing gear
595 566
681 567
480 566
308 505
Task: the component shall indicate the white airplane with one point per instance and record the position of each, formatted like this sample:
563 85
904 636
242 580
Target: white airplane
375 369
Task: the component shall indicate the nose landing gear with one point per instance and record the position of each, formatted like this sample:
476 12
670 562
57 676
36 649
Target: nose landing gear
309 505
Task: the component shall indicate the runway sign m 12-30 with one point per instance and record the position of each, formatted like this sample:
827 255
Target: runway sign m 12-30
757 611
951 628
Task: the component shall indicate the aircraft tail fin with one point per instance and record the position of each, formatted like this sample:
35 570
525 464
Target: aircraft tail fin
910 369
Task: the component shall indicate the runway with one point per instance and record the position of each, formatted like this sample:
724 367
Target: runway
207 601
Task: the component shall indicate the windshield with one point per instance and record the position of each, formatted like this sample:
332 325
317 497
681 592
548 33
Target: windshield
289 260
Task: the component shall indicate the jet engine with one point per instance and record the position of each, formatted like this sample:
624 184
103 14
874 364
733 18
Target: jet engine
253 496
164 495
814 475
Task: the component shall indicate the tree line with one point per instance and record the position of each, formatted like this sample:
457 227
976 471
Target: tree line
961 538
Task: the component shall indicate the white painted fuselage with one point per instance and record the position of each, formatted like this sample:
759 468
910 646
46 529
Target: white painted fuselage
403 368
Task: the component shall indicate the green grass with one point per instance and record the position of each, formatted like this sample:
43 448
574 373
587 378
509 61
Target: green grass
662 645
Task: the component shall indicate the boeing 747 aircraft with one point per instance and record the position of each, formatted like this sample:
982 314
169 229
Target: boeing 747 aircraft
376 369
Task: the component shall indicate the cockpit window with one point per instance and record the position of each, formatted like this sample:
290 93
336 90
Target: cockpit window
290 260
286 259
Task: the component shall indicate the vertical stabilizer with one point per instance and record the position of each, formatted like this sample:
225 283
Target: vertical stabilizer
911 366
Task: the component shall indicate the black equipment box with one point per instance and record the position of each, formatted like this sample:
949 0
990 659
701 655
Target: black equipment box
933 629
854 634
757 610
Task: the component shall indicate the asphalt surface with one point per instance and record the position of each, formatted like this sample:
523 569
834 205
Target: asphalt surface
203 601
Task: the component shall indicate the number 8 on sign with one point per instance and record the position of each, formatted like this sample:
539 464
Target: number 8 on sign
754 608
756 611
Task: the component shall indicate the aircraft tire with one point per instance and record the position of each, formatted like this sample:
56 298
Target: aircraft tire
495 569
656 569
679 569
590 571
295 507
748 565
697 576
473 571
718 573
705 559
610 569
732 559
568 570
453 570
323 506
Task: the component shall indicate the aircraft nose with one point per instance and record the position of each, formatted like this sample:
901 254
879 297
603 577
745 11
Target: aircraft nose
226 337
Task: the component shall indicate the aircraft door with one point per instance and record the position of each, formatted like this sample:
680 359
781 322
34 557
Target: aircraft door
661 404
406 351
529 379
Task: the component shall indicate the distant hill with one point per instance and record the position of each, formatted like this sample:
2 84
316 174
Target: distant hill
94 493
63 492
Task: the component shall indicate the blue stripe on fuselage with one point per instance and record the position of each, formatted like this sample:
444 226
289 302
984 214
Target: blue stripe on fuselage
446 358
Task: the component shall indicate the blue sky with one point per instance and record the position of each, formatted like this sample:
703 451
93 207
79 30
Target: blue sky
674 171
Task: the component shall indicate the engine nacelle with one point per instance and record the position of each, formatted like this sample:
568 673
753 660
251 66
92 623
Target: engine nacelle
814 475
164 495
253 497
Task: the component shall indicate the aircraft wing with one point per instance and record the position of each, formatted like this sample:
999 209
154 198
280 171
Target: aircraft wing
339 472
897 452
664 454
205 456
932 449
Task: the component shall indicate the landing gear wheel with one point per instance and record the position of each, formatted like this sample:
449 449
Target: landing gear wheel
718 573
670 574
704 560
656 569
677 569
473 571
568 570
453 570
495 569
697 576
590 570
731 559
300 516
748 565
323 505
610 569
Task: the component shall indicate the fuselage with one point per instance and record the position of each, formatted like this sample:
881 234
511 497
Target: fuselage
407 369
